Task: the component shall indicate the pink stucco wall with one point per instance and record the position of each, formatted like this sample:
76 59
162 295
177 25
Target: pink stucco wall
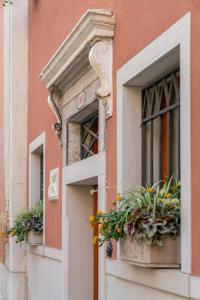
138 23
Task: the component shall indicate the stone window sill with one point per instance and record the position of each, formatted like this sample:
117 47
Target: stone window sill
167 280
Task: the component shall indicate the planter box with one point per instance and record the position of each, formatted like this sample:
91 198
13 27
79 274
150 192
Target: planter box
34 238
166 256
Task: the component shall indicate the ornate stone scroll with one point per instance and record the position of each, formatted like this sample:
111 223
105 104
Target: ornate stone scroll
54 103
100 57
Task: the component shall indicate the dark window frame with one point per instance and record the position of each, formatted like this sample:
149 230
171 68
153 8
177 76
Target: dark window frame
166 94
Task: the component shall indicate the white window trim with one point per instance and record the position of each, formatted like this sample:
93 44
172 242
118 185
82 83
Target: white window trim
177 35
33 146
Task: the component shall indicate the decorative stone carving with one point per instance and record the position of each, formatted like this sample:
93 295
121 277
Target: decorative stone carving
93 34
100 57
54 103
53 184
70 62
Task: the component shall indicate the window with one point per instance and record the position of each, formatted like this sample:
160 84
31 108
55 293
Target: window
89 136
36 170
82 133
161 129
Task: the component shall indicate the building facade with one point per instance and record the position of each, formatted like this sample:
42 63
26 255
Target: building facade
83 86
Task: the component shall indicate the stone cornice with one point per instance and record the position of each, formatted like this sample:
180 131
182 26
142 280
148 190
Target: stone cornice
70 61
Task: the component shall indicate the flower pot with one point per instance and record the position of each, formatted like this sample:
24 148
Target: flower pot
166 256
34 238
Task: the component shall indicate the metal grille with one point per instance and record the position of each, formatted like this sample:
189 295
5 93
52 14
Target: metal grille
161 129
89 136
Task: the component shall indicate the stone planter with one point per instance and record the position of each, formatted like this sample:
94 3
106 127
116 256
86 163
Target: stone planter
34 238
166 256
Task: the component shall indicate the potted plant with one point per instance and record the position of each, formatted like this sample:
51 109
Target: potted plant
28 226
146 221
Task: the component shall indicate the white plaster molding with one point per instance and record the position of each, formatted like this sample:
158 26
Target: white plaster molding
72 56
171 281
128 77
45 251
85 169
37 142
100 57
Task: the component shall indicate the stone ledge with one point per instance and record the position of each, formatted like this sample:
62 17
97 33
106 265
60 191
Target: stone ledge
171 281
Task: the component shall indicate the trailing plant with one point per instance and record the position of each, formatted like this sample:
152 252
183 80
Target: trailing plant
147 214
31 219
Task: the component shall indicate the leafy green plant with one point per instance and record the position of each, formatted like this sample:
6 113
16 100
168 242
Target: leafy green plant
147 214
29 220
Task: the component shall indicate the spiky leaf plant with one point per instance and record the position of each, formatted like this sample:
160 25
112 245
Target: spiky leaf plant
147 214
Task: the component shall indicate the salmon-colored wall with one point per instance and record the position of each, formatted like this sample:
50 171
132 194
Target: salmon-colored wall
2 194
138 23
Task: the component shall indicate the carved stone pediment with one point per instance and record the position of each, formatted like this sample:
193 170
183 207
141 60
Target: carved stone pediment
88 46
71 59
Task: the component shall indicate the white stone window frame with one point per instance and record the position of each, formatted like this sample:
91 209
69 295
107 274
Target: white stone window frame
177 36
34 166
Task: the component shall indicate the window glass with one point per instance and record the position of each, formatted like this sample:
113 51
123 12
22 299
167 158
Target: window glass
161 129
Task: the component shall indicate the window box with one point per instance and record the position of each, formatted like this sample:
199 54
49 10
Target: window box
34 238
167 256
146 222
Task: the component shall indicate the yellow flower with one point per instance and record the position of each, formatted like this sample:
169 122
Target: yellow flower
100 212
168 195
119 197
150 190
119 230
101 228
95 239
91 219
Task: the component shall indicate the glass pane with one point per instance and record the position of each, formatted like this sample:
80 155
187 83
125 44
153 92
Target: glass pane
156 141
175 143
148 152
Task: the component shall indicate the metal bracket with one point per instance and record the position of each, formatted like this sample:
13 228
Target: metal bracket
53 101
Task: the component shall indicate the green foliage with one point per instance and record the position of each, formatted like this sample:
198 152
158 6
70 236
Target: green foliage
29 220
147 214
